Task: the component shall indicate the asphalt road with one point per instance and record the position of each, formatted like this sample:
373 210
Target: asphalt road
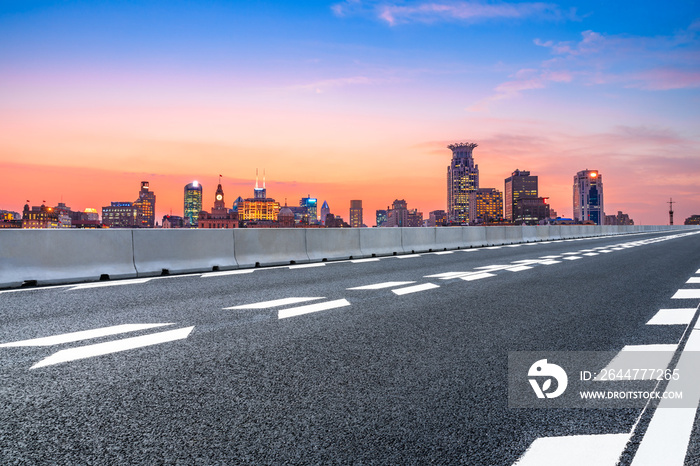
409 372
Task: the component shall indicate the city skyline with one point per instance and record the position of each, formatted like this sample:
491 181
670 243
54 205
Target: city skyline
348 100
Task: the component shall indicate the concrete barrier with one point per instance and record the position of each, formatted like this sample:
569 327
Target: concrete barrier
448 238
474 237
165 251
532 233
45 257
333 243
497 235
273 246
555 232
380 241
418 239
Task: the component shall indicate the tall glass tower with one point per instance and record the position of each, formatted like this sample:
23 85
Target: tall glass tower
193 202
588 197
462 180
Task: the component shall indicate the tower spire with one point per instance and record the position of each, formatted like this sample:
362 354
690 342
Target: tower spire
256 178
263 178
670 211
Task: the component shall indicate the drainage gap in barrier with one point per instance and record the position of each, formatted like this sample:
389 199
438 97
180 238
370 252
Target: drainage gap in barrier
104 277
394 253
430 250
215 268
165 272
325 259
28 283
374 255
292 262
257 264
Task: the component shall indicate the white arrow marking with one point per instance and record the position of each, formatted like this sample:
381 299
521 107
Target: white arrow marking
83 335
109 347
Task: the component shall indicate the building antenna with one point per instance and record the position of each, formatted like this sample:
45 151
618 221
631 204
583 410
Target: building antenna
256 178
263 178
670 211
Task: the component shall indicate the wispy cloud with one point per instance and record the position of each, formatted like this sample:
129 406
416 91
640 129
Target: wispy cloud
469 11
324 85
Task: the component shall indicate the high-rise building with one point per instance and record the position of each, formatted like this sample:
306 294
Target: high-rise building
40 217
120 215
530 210
619 219
588 197
397 215
486 205
519 184
355 214
146 205
193 202
325 210
462 179
259 207
382 217
311 204
437 218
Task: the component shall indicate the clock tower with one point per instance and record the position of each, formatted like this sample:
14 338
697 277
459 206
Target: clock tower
219 204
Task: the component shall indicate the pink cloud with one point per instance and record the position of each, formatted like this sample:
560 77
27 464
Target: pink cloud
662 79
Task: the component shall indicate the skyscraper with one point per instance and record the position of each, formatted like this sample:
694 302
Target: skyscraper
355 214
311 204
259 207
193 202
485 205
462 179
519 184
325 210
588 197
146 206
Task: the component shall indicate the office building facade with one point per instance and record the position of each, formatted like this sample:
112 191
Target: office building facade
462 180
486 205
588 197
519 184
355 214
193 203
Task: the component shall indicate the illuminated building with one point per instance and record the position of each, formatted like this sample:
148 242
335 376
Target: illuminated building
39 217
311 204
193 203
220 217
172 221
519 184
588 197
382 217
10 219
259 207
146 207
437 218
355 214
120 215
397 215
325 210
530 210
286 217
692 220
485 205
462 179
619 219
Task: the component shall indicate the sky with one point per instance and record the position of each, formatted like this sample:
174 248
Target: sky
347 100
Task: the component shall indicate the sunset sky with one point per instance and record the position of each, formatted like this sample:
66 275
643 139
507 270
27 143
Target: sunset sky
348 100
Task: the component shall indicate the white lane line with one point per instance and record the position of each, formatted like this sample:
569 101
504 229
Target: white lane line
227 272
698 271
379 286
477 276
470 250
570 253
632 357
518 268
135 281
514 245
605 250
297 311
572 258
415 288
693 280
494 247
616 249
549 262
668 435
82 335
591 254
441 253
447 275
575 450
408 256
681 316
362 261
109 347
36 288
687 294
306 266
275 303
550 257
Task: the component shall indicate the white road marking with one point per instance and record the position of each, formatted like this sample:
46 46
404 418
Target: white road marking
681 316
698 271
297 311
415 288
572 258
494 247
591 254
135 281
441 253
633 357
514 245
477 276
36 288
687 294
227 272
549 262
666 439
408 256
575 450
275 303
82 335
109 347
469 250
605 250
306 266
550 257
570 253
379 286
361 261
693 280
447 275
518 268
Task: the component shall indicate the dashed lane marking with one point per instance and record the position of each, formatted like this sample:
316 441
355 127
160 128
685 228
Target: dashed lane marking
82 335
575 450
362 261
518 268
408 256
135 281
275 303
307 266
631 357
693 280
415 288
227 272
681 316
442 253
687 294
591 254
572 258
379 286
109 347
309 308
476 276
